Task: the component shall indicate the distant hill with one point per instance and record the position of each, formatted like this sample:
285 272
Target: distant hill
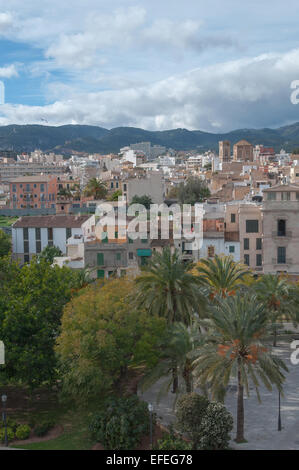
92 139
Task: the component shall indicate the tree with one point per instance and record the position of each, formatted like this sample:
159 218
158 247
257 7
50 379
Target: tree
96 189
30 312
102 336
216 425
49 253
221 275
115 195
280 298
190 411
65 192
146 201
235 347
175 350
194 190
5 244
167 288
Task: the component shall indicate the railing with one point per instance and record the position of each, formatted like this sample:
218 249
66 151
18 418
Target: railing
286 234
276 261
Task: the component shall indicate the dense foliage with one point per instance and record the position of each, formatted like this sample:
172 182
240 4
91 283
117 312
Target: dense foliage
121 424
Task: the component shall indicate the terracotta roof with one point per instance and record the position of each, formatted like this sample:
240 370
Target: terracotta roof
32 179
51 221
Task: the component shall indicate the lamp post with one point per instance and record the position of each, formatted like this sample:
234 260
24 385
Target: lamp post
150 409
279 415
4 400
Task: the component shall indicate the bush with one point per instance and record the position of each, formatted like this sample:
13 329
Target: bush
216 424
43 428
172 441
190 410
11 423
23 432
10 434
121 424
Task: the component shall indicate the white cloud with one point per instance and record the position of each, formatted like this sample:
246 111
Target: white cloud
8 71
240 93
6 20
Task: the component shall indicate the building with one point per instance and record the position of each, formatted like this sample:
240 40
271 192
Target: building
30 235
224 151
281 229
251 235
34 192
243 151
152 185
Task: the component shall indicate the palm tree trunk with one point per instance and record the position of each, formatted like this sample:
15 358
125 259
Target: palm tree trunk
187 376
240 410
275 337
175 379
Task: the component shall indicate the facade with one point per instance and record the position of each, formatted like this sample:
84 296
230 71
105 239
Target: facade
251 235
243 151
30 235
281 229
224 151
33 192
150 185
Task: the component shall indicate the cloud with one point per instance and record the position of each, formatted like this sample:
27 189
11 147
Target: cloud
242 93
6 20
8 71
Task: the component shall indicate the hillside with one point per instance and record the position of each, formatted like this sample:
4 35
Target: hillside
92 139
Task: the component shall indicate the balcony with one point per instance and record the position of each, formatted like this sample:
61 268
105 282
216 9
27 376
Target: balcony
275 261
278 234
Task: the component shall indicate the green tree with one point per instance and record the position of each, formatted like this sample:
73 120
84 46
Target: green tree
30 312
235 348
5 244
146 201
49 253
190 411
280 298
167 288
96 189
102 336
194 190
115 195
221 275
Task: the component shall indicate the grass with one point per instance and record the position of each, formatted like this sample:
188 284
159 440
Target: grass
7 221
44 405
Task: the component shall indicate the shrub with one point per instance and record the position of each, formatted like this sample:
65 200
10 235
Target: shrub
172 441
121 424
43 428
190 410
23 432
216 424
11 423
10 434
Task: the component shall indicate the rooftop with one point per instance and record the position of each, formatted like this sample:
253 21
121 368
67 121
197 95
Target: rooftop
51 221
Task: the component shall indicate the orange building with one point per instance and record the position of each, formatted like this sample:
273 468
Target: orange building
33 192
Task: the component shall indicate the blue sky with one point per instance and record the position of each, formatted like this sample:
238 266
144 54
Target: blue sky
212 66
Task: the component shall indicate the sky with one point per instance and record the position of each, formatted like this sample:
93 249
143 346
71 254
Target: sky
214 65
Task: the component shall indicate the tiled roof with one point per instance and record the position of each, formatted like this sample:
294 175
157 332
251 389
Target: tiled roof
51 221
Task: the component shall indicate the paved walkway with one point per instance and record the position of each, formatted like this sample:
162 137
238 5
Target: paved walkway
261 420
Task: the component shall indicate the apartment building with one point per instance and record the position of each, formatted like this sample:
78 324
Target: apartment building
280 210
243 151
34 192
150 185
251 235
30 235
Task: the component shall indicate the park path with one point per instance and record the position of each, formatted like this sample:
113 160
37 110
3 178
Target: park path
261 419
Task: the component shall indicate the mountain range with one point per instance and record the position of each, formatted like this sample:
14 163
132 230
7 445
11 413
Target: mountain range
69 139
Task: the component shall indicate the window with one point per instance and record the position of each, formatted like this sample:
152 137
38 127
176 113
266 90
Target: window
246 243
68 233
116 235
38 246
50 236
281 228
281 255
258 243
27 187
231 249
246 260
118 256
252 226
211 251
233 218
131 255
26 246
42 187
143 240
130 240
26 258
25 233
37 233
100 259
259 260
14 188
297 195
105 237
285 196
125 187
271 196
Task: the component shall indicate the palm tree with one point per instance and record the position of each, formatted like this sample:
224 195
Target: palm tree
95 188
167 288
280 298
176 349
221 275
235 348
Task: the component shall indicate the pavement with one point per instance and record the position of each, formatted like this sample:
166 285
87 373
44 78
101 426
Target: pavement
261 419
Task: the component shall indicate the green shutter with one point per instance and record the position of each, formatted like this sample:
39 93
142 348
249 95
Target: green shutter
101 273
100 259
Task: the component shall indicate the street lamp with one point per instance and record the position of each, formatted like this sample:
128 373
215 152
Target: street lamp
151 409
279 415
4 400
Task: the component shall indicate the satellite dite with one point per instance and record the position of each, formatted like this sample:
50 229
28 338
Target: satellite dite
2 353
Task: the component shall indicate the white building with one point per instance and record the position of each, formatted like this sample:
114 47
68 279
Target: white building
30 235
